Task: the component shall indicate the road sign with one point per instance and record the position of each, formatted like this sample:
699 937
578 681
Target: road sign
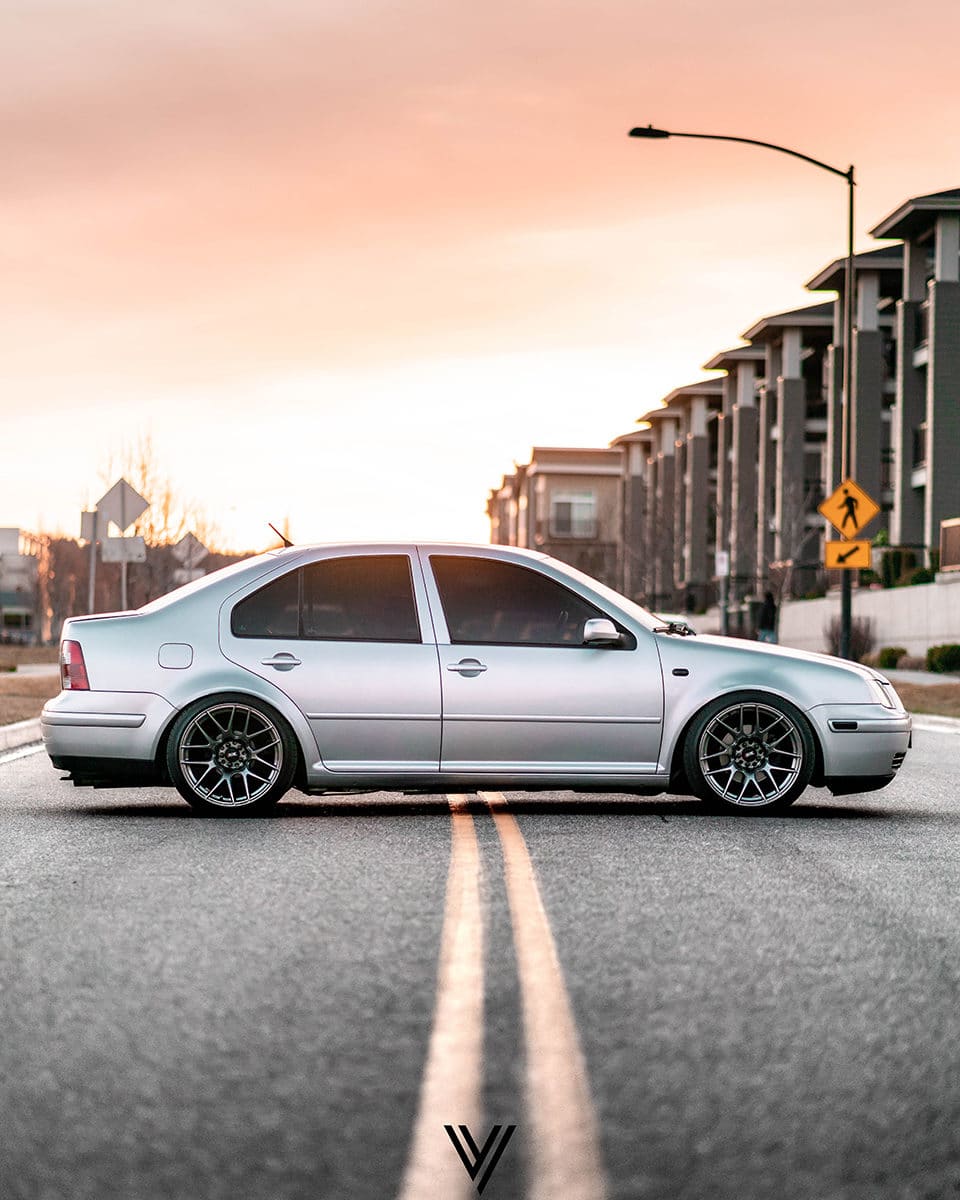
190 551
121 505
846 555
123 550
184 575
849 509
723 563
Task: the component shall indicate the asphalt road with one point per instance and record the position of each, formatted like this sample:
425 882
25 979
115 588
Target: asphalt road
669 1004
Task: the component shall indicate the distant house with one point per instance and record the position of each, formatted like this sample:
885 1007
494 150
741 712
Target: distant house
18 589
567 502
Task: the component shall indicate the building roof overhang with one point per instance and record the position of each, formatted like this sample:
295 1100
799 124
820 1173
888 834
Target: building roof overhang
888 260
816 316
729 358
918 215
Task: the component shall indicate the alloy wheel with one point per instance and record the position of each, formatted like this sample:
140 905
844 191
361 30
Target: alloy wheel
750 754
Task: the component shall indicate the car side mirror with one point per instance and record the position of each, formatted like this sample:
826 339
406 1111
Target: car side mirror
600 631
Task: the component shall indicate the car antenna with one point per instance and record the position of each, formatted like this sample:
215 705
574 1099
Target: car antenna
283 538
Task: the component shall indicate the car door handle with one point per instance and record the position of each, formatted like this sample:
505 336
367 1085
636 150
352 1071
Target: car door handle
467 666
281 662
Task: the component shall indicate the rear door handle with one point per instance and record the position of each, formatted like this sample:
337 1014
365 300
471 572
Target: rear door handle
281 662
467 666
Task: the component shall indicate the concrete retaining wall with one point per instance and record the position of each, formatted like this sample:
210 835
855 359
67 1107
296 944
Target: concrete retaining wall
927 614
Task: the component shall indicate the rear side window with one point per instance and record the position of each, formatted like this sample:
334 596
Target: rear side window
486 601
360 598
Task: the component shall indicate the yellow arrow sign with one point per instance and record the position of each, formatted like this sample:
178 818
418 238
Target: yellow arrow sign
846 555
849 508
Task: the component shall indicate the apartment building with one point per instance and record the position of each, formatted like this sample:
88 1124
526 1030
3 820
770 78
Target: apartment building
567 502
730 470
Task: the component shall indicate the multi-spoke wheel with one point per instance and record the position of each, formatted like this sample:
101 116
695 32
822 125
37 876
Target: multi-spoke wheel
231 755
749 753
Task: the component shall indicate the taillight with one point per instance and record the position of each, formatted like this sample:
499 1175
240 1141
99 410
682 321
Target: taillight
73 670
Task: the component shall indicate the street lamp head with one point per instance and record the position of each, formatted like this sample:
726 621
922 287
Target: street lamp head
648 131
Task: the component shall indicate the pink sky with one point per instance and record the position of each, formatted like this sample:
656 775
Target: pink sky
345 262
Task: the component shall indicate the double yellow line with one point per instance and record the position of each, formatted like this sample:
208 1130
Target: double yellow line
560 1128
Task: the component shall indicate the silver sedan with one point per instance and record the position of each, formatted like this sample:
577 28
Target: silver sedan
448 667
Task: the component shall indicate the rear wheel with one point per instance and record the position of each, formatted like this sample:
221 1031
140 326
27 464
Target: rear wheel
231 756
749 753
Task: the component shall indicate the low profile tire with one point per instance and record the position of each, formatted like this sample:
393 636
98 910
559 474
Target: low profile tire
231 756
749 753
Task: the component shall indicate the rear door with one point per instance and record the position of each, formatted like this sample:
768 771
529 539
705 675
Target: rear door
348 638
521 692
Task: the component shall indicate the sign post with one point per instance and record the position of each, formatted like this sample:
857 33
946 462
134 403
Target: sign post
848 510
121 505
723 574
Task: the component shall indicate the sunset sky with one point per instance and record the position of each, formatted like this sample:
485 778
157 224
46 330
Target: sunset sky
344 262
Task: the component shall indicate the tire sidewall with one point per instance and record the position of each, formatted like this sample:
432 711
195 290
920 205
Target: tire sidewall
702 789
277 789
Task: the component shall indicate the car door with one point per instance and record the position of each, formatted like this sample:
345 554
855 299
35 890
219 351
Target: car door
521 692
347 636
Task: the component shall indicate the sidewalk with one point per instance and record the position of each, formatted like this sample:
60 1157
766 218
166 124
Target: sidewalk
927 677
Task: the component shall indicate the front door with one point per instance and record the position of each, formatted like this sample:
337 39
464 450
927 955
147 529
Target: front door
522 694
342 637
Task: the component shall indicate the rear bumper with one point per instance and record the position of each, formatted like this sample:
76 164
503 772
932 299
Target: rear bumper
96 726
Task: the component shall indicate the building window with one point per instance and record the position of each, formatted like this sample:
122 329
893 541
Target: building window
573 515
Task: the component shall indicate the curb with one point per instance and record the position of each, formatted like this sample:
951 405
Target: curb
928 723
21 733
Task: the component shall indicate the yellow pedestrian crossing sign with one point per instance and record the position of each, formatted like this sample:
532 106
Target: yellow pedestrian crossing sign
846 555
849 509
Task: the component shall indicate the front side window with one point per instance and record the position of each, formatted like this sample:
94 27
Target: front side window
360 598
486 601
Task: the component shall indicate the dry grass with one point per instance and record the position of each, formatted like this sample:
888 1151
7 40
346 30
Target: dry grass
22 696
937 699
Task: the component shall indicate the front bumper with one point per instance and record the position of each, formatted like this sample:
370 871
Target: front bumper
863 744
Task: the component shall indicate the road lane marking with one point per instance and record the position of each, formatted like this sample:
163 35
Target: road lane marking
565 1143
450 1092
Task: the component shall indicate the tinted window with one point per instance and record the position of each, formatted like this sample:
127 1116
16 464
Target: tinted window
272 611
498 602
363 598
368 598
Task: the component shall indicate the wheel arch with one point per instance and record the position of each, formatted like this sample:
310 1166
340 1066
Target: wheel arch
228 694
678 776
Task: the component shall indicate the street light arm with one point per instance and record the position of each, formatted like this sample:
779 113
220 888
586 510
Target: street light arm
648 131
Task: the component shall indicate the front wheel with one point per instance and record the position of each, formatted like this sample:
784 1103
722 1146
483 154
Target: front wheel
749 753
231 756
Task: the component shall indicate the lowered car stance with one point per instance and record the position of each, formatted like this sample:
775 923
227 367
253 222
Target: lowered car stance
440 667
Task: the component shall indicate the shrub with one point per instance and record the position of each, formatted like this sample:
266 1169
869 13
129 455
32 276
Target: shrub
912 662
889 656
861 636
922 575
944 659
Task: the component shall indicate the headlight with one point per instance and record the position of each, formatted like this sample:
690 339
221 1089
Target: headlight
884 693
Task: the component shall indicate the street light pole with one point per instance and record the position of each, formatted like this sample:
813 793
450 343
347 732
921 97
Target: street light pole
846 435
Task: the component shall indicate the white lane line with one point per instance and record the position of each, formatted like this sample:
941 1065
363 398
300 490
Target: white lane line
450 1093
565 1143
22 752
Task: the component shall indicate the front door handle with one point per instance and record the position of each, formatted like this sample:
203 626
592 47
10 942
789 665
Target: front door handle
281 662
469 667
